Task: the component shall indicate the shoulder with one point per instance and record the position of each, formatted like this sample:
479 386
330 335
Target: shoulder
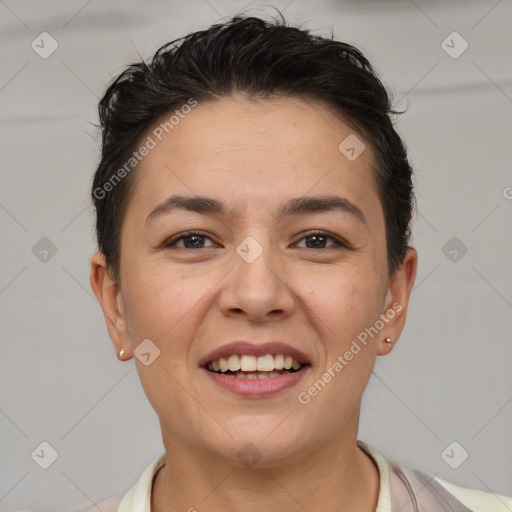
454 497
411 485
476 500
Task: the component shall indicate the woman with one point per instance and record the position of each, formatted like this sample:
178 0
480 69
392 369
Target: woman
253 217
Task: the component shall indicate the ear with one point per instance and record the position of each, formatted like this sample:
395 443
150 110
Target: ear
397 300
108 293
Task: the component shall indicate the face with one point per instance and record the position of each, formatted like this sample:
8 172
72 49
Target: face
250 267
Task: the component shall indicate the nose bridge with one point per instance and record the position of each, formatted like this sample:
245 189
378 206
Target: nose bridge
255 284
259 265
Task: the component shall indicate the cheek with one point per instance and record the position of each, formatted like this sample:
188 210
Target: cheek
163 304
342 305
344 299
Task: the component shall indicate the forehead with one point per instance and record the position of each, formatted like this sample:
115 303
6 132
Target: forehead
253 154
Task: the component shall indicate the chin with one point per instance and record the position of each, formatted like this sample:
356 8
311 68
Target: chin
263 447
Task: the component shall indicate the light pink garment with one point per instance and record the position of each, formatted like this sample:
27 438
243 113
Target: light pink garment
415 491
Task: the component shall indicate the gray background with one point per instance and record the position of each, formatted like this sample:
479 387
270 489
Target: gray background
449 377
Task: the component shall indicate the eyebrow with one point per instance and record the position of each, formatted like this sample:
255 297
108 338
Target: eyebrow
297 206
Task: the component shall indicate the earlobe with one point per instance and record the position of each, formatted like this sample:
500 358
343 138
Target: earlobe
385 346
388 344
107 292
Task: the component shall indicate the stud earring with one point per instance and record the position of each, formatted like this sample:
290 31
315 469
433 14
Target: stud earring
388 340
121 353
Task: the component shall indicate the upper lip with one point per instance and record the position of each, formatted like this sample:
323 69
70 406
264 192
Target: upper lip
246 348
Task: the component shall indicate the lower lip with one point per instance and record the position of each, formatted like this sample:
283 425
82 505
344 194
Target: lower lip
257 388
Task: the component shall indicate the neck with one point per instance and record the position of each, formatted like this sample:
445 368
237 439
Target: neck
337 476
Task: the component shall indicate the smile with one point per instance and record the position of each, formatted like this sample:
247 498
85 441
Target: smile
252 367
268 374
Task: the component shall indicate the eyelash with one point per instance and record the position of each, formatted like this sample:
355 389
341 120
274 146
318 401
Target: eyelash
337 242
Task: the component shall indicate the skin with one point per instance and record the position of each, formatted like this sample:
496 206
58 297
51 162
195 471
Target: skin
253 156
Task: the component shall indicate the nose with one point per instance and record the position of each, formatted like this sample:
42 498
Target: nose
258 290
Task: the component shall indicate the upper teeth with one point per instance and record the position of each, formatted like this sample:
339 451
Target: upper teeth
247 363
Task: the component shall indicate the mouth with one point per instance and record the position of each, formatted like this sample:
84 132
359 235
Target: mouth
250 370
245 366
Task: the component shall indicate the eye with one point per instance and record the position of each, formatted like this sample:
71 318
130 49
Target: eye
319 238
191 240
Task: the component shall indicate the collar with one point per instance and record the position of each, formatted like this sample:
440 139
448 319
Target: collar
138 498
